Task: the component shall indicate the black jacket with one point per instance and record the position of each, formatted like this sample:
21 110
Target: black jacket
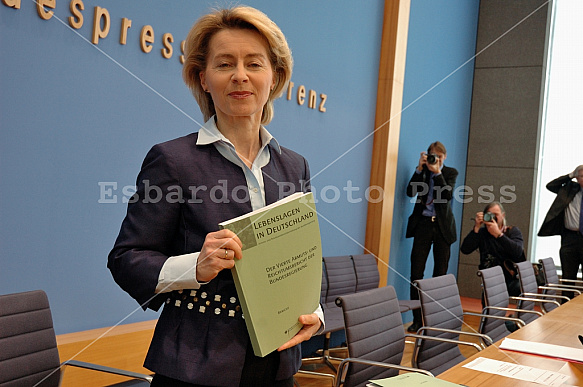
443 186
566 189
507 249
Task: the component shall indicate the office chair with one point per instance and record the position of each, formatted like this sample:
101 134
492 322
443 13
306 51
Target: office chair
553 284
28 346
374 335
441 310
367 277
367 272
529 289
496 300
340 278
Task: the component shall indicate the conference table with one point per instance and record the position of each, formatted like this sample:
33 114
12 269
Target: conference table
561 326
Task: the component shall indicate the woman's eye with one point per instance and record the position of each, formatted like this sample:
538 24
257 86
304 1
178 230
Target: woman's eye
224 65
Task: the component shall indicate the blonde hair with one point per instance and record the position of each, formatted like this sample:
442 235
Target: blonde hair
197 49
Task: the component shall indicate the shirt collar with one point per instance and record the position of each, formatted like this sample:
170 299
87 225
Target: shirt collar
209 133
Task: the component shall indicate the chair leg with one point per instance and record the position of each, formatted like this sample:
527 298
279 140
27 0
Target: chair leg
325 358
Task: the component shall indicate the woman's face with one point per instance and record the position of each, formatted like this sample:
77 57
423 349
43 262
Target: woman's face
238 75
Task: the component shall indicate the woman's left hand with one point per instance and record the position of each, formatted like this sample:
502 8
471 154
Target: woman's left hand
311 324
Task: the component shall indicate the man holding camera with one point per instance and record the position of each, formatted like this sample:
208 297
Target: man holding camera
499 244
432 221
565 218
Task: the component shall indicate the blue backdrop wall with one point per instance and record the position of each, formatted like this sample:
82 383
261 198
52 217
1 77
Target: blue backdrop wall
77 118
436 107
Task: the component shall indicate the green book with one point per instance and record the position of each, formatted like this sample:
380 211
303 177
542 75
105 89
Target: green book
280 275
411 379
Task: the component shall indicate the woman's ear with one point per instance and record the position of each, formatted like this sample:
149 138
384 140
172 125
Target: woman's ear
273 81
202 81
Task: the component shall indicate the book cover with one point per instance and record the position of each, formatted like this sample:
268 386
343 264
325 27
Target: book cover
279 277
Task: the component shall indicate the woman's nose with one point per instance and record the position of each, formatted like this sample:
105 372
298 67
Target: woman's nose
240 74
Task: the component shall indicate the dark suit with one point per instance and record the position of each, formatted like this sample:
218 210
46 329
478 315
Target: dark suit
196 185
571 252
443 193
502 251
425 231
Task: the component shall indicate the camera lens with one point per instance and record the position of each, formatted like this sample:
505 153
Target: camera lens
488 217
431 159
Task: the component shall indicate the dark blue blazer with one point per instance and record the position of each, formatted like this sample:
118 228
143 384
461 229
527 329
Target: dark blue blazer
183 192
566 189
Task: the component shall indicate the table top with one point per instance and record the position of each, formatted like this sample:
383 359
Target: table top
560 327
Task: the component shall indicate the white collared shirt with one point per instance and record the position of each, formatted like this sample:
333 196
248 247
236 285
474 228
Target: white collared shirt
573 212
210 134
179 272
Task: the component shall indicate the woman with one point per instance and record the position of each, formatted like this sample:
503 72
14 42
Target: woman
170 251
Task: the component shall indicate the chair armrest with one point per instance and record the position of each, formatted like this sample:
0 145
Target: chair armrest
481 336
515 309
111 370
546 296
566 286
561 288
420 338
571 280
345 363
536 300
518 321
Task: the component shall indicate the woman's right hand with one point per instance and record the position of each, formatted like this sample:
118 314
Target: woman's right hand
219 251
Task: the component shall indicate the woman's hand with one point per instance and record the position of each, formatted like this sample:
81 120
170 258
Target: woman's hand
311 324
219 251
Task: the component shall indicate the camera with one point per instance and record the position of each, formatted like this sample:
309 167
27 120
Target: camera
488 217
432 158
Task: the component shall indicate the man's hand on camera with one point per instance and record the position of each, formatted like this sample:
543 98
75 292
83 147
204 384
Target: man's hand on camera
493 228
422 161
435 167
478 220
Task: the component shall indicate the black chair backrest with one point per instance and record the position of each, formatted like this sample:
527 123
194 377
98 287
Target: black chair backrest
367 272
374 331
28 346
441 307
495 295
341 279
340 276
527 278
528 284
549 270
324 288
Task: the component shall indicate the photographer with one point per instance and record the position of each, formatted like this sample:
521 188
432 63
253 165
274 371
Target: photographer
499 244
432 221
565 218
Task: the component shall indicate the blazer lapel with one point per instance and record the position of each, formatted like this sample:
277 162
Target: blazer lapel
271 176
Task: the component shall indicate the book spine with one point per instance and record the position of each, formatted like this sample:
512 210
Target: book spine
248 321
